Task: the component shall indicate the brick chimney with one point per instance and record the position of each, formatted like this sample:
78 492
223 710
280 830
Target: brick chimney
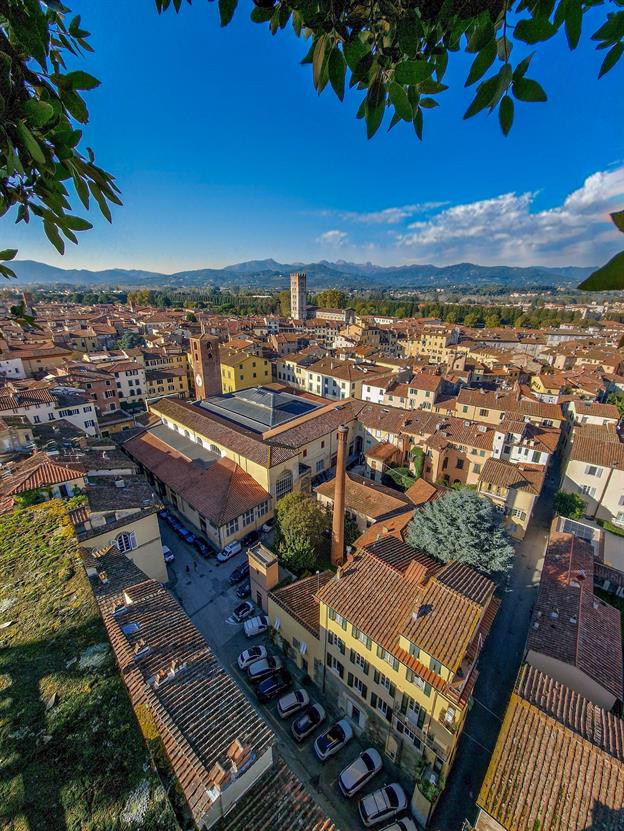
337 546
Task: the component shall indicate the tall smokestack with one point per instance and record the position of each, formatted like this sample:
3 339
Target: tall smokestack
337 547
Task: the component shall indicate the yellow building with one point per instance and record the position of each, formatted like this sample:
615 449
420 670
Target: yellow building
240 370
167 381
514 490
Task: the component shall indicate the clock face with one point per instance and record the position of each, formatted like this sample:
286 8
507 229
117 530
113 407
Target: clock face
198 380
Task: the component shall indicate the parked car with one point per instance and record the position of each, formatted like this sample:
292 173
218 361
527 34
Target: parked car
191 538
307 722
239 574
268 526
403 824
290 704
261 669
173 522
183 532
273 686
243 611
251 538
256 625
204 549
359 772
248 656
333 740
163 514
244 590
168 554
230 550
384 803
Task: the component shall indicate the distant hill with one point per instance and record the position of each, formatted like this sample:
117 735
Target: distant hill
270 274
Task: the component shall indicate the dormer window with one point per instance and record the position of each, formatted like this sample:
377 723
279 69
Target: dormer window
130 628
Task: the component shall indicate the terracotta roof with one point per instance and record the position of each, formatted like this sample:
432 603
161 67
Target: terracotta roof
364 496
383 451
595 452
400 556
393 527
39 471
571 624
500 473
13 399
422 492
557 764
299 600
220 491
425 381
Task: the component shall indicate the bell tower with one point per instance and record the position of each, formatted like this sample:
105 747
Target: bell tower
206 365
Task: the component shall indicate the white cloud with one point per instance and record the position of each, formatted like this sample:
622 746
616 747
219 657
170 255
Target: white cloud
386 216
335 238
504 229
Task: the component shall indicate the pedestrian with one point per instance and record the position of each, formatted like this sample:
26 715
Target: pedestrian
195 565
188 570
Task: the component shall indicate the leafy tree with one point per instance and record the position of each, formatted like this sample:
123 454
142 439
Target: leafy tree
417 457
331 299
472 319
284 302
130 340
569 504
351 530
464 527
191 317
617 398
41 110
492 321
299 526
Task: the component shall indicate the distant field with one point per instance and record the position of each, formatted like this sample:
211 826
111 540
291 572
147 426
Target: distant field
71 754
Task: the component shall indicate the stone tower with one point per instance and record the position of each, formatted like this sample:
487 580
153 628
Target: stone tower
298 304
206 365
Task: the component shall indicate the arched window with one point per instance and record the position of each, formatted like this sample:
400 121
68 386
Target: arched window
126 541
284 484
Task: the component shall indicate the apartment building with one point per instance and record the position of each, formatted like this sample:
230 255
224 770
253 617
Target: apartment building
492 407
330 377
166 381
240 370
41 403
436 343
98 384
514 490
593 466
521 442
130 380
592 412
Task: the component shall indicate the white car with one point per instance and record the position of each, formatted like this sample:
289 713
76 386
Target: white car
168 554
359 772
403 824
382 804
230 550
261 669
268 526
333 740
243 611
256 625
292 702
248 656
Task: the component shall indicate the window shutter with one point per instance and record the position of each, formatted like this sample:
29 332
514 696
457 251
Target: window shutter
421 717
392 690
376 676
380 652
364 690
350 679
395 664
427 689
332 614
389 714
352 656
344 624
410 676
404 700
369 643
355 631
366 667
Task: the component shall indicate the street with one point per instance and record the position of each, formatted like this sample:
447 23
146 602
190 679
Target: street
207 597
498 667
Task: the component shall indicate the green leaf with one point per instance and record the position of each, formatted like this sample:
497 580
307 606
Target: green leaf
481 36
399 98
573 22
485 92
520 70
354 51
337 72
413 72
409 33
428 103
534 30
374 117
319 60
506 114
53 235
481 63
503 48
525 89
103 206
30 142
612 57
226 10
617 218
259 14
418 123
609 277
11 253
38 113
76 223
81 80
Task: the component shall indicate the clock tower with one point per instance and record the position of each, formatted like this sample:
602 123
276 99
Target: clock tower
206 365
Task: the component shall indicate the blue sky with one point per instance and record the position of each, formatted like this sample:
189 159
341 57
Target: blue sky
224 152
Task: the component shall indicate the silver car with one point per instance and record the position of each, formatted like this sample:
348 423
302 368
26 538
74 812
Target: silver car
359 772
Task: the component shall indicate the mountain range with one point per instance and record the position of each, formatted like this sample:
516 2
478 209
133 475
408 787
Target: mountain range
269 274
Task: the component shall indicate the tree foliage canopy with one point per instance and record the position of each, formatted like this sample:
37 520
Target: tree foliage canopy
462 526
300 522
569 504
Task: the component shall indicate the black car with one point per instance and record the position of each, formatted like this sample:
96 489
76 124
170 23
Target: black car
204 549
307 722
273 686
239 574
244 590
251 538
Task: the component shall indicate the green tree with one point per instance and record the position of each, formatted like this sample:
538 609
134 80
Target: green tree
492 321
617 398
284 302
331 299
191 317
351 530
464 527
472 318
130 340
299 525
569 504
